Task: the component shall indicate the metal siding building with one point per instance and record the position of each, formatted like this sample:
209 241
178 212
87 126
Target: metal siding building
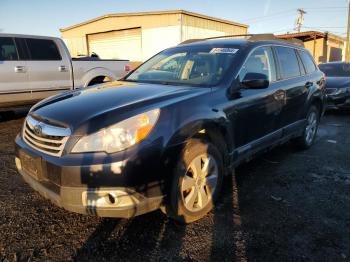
138 36
325 47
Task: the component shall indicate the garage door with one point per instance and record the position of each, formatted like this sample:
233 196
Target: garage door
121 44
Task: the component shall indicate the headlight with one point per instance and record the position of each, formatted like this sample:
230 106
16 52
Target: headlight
119 136
341 91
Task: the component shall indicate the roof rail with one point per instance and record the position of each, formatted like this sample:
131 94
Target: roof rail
250 37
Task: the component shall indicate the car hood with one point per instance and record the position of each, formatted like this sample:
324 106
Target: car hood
105 104
337 82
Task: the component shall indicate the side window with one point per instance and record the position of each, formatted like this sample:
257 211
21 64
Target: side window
307 61
288 62
42 49
21 48
260 61
8 51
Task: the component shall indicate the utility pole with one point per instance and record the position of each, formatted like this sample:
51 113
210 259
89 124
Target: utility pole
300 20
347 51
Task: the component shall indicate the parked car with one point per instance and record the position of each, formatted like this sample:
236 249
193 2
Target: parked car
35 67
164 138
337 84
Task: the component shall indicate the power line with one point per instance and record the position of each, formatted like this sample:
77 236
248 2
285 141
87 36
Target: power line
270 19
325 26
275 15
268 16
326 7
283 30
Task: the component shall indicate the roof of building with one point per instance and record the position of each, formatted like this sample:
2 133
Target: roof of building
310 35
156 13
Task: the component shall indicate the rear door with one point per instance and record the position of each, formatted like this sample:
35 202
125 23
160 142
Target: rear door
49 72
294 82
13 74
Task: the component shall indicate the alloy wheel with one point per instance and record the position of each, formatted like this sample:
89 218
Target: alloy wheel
311 127
199 183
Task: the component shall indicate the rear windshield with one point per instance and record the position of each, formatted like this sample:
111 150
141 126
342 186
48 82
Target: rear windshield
193 66
336 70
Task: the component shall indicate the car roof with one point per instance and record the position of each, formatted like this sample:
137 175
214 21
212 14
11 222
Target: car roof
27 36
238 42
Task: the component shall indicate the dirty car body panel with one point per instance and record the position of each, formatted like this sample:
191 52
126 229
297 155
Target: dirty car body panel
136 180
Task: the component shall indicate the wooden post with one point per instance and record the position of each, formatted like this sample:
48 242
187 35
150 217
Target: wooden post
347 51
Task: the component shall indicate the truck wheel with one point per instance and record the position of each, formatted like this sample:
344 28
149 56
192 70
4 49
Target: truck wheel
99 80
309 134
196 183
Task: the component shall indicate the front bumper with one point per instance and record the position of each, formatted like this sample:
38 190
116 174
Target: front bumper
341 101
124 185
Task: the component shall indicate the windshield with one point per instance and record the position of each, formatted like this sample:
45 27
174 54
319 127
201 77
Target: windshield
336 70
204 66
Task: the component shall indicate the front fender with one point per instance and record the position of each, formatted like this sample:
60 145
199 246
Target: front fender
212 124
316 96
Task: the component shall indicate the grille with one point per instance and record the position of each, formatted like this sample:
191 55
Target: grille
44 137
330 90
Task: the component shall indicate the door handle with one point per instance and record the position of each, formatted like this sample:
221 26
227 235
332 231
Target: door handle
280 95
20 69
309 84
62 68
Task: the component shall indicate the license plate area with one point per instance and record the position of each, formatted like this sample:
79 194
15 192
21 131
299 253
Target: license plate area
31 165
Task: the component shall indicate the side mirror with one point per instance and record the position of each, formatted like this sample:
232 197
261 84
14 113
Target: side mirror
255 81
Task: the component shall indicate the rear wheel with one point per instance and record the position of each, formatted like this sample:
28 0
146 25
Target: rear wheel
196 183
99 80
310 131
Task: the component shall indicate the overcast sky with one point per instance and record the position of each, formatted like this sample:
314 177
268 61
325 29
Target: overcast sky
46 17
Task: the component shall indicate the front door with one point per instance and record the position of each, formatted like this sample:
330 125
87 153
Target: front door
49 72
14 87
253 112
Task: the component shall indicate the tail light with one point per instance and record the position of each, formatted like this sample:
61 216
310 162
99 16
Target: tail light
127 68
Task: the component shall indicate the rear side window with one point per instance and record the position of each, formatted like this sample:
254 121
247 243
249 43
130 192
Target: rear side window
307 61
8 51
288 62
43 49
260 61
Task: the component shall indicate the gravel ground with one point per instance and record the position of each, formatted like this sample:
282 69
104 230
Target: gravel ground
286 205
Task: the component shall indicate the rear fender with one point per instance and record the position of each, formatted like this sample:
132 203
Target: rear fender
95 72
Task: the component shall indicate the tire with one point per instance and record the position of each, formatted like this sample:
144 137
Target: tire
307 139
192 192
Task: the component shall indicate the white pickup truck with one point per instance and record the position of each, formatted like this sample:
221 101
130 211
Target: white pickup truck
35 67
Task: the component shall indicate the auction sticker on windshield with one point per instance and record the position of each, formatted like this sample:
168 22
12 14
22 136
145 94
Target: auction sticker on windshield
223 50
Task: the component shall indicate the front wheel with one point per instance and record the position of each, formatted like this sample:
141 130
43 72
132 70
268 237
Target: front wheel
309 134
196 183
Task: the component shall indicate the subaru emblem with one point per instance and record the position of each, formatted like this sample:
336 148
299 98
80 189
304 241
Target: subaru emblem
38 130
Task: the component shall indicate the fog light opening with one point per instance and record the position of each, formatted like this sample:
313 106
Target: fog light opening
18 163
111 198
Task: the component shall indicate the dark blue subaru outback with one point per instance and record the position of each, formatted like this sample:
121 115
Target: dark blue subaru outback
166 134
